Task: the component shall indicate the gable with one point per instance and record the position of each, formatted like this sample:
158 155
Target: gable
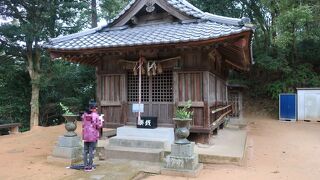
152 15
155 11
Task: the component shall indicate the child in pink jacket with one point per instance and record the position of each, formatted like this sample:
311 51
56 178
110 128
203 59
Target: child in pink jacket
91 123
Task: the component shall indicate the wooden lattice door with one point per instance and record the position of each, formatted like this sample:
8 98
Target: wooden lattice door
156 95
235 99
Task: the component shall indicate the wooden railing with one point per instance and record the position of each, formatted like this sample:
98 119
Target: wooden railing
218 114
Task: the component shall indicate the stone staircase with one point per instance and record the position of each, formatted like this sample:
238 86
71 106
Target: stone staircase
133 148
138 144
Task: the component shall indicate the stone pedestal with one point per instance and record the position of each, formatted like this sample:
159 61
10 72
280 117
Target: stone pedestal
182 161
68 151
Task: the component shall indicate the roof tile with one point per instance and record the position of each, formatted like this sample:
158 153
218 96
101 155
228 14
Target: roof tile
147 35
205 26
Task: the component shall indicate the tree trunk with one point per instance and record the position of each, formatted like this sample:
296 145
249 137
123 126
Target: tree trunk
294 45
33 57
34 115
94 16
274 15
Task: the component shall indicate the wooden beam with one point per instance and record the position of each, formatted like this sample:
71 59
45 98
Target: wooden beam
164 5
134 9
110 103
193 104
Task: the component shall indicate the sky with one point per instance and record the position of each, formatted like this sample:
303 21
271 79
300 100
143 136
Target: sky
4 21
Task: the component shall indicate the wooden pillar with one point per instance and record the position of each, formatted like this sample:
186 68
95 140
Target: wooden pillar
98 80
124 98
206 91
175 91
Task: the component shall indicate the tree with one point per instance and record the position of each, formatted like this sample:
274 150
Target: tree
14 90
94 15
35 21
69 83
286 44
110 8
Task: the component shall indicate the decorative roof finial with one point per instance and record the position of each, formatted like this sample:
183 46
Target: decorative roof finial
150 6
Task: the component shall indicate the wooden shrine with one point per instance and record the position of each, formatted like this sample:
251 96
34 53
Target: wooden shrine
187 55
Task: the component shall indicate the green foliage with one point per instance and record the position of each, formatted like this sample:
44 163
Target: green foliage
14 92
292 26
229 8
184 113
271 64
110 8
33 22
286 47
71 84
65 109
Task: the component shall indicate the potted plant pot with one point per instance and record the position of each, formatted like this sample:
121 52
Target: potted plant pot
70 125
182 130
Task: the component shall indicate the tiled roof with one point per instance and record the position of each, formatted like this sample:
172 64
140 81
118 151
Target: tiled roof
203 26
147 35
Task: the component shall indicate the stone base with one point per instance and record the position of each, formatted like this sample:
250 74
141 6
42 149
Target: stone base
69 141
165 134
183 172
63 161
184 150
68 151
182 157
101 149
182 161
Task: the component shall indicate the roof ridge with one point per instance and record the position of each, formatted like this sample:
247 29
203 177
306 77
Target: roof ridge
187 4
222 19
244 21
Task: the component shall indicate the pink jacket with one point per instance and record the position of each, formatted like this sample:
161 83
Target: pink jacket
91 124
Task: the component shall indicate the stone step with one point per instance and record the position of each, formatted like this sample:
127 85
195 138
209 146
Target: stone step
166 134
137 142
138 154
109 132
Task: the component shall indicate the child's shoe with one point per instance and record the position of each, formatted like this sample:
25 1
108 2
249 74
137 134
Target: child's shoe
88 169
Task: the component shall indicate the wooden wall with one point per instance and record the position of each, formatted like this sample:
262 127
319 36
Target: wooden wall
111 92
190 86
198 78
202 81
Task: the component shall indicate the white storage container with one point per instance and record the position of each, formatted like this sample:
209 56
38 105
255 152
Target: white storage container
309 104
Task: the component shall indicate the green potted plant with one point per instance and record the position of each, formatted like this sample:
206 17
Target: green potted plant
182 119
71 121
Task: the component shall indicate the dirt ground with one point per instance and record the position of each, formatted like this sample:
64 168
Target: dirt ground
275 150
24 156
